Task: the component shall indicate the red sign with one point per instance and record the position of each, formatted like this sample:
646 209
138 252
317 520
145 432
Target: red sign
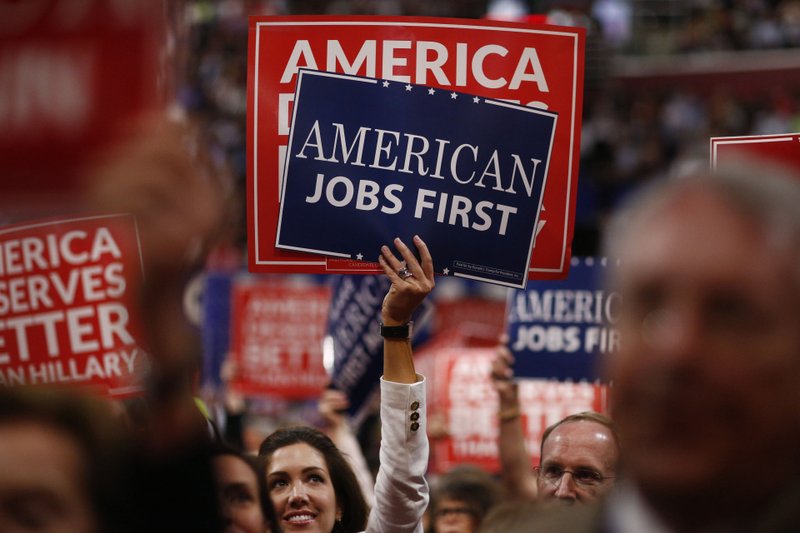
462 397
783 149
65 293
276 339
483 316
70 73
539 66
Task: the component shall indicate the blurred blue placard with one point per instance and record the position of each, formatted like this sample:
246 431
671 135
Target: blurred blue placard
371 159
560 329
353 335
216 325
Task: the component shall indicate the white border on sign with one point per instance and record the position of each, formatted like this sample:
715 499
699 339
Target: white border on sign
747 139
575 118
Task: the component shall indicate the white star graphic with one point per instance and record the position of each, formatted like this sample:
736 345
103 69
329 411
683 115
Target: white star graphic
446 271
359 256
385 83
408 87
453 96
476 100
431 90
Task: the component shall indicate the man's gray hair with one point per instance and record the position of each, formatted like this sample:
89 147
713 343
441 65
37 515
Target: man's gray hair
765 193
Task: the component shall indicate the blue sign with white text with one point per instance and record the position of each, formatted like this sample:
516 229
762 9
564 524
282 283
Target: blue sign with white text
369 160
559 329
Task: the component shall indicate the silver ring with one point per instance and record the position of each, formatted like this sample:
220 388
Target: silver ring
404 273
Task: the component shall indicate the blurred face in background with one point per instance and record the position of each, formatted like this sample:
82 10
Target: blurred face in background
240 503
706 381
455 516
42 481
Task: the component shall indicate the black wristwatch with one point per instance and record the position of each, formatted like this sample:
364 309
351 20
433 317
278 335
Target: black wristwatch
396 332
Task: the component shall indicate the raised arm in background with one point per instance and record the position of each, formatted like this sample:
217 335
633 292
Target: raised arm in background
515 461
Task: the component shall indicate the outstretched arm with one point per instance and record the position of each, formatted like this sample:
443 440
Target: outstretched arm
401 491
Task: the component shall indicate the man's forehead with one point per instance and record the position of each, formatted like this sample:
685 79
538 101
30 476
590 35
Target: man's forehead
594 449
579 434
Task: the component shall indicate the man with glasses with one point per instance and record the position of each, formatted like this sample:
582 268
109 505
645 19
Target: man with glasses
578 457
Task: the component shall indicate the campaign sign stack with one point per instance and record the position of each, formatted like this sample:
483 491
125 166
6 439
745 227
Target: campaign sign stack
446 127
558 330
66 294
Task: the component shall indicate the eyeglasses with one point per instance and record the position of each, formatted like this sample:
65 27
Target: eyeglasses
583 477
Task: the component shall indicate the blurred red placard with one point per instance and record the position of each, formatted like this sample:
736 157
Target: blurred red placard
782 149
464 404
534 65
276 339
67 290
71 72
487 315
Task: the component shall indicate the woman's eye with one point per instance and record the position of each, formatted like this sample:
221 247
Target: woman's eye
277 483
316 478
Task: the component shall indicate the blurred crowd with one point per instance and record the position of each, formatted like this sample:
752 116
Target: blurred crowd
706 380
703 26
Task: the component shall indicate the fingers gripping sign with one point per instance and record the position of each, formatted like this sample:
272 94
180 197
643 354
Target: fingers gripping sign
411 279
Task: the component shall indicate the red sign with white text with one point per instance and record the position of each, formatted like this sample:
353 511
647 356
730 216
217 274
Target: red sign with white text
539 66
276 339
462 397
66 294
783 149
71 72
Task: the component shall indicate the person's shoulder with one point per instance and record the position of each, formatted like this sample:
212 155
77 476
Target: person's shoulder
575 519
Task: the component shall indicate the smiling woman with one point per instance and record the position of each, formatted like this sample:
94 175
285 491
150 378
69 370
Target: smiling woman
312 486
311 483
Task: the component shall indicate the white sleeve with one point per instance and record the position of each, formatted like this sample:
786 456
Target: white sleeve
401 491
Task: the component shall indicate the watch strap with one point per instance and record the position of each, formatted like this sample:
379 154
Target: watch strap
396 332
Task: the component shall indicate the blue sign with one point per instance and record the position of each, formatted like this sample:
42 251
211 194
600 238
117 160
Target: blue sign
369 160
354 329
559 329
216 325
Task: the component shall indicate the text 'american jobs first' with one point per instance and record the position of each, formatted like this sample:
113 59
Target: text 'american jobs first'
409 153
